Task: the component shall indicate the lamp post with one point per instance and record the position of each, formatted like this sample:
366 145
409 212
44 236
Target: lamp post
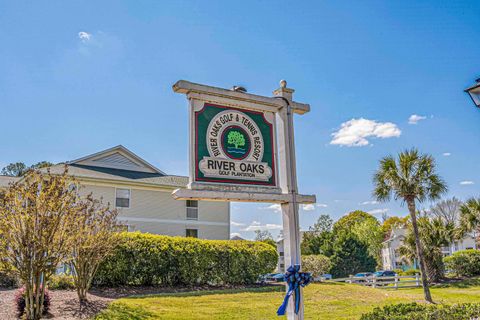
474 93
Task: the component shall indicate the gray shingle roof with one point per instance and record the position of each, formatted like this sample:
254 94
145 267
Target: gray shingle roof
157 179
6 180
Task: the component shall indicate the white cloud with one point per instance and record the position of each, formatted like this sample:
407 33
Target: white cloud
415 118
354 133
275 207
467 182
237 224
84 36
311 206
364 203
255 225
308 207
378 211
446 154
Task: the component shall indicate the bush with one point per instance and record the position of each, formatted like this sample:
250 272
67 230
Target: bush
398 271
61 282
464 263
409 272
414 311
20 301
316 264
7 280
147 259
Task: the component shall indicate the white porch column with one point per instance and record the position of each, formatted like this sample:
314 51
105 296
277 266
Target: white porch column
288 184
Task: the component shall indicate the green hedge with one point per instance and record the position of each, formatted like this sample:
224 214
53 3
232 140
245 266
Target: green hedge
7 280
408 272
146 259
415 311
464 263
61 282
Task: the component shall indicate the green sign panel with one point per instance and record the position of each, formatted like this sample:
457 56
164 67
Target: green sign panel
234 146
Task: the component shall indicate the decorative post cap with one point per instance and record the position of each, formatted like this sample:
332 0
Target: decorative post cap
283 91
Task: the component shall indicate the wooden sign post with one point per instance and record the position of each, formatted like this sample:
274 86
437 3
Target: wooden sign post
242 149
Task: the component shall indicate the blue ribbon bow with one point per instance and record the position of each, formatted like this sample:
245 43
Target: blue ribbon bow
295 279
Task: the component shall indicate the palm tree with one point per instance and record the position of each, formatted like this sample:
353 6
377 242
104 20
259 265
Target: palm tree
410 178
435 233
470 216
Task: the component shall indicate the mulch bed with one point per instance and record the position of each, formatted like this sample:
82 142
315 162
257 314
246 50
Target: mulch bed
65 305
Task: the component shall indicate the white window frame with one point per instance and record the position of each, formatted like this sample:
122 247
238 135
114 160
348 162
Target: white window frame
189 207
129 199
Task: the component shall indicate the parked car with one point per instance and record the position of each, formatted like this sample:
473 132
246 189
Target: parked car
362 277
272 277
326 276
384 274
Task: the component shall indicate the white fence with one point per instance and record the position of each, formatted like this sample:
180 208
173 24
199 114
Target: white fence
383 282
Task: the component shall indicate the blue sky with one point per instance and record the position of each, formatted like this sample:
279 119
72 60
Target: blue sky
77 77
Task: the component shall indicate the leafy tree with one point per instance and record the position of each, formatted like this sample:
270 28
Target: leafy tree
38 223
346 223
447 210
435 233
262 235
410 178
96 237
319 238
366 229
313 244
236 138
16 169
40 165
324 224
350 256
317 265
370 233
265 236
393 222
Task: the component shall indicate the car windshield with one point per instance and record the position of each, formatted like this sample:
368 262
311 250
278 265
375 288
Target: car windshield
378 273
362 275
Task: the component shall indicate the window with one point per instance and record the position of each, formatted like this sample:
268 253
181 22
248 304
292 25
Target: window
192 209
281 253
122 198
192 233
126 228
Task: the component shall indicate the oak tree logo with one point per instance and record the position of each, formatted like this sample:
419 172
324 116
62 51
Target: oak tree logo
235 142
236 138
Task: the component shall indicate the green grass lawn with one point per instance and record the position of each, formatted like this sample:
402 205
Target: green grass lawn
322 301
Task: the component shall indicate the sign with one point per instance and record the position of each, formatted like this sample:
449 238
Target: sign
234 145
233 157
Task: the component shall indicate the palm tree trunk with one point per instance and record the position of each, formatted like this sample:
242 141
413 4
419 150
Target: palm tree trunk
419 247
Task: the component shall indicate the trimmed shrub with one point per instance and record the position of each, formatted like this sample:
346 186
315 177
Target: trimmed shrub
317 264
61 282
398 271
409 272
20 301
415 311
464 263
7 280
147 259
